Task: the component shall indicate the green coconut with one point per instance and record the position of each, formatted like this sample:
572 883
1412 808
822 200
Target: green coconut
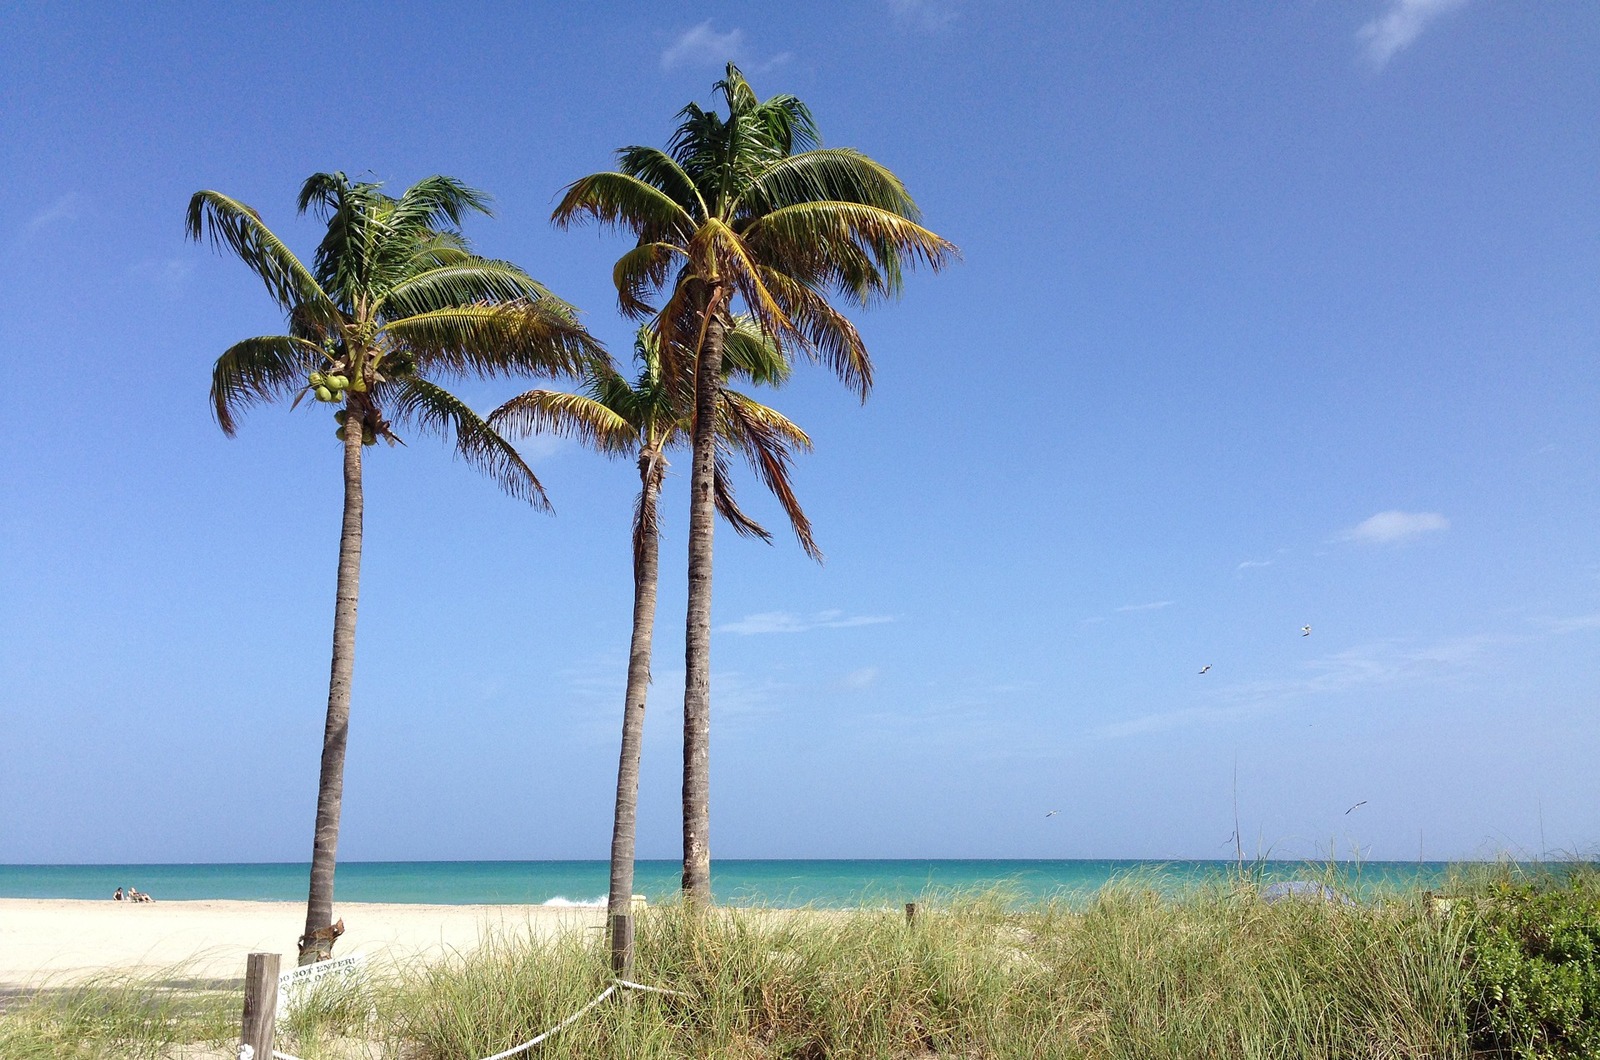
339 434
341 415
369 436
338 382
323 393
317 379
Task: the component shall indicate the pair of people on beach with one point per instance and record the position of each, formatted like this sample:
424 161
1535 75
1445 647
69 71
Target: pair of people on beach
132 895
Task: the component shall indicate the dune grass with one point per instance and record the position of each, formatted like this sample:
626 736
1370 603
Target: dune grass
1213 972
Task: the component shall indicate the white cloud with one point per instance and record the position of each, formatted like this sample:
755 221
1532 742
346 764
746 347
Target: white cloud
168 275
1576 624
1376 665
790 622
703 46
1391 527
925 15
63 209
1154 606
862 678
1250 564
1401 23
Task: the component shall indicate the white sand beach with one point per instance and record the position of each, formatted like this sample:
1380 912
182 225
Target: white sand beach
55 941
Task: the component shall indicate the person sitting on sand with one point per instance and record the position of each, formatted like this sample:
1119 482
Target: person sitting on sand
118 896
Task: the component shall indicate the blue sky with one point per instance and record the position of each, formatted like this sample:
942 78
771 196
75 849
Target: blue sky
1272 315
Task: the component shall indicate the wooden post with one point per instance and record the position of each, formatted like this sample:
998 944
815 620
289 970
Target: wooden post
911 914
622 944
260 1003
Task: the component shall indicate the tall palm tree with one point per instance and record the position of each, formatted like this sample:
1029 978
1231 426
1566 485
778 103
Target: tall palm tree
746 210
394 301
645 420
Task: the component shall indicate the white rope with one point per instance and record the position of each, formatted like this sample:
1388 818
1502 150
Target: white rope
248 1053
650 989
531 1042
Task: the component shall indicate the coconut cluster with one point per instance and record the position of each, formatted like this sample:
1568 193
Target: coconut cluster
328 387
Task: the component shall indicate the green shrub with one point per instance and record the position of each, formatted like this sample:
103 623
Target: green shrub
1534 959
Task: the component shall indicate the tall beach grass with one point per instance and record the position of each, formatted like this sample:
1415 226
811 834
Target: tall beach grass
1212 972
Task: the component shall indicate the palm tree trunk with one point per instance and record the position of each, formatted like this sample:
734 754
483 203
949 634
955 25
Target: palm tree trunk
697 632
624 829
317 942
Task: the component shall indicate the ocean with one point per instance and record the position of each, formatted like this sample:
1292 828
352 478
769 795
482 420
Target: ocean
821 883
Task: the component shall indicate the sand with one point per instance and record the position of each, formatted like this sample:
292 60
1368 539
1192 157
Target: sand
56 941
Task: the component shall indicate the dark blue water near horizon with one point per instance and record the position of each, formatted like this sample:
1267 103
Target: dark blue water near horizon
781 883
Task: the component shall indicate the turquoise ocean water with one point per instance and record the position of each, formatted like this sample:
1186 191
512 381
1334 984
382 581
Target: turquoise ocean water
832 883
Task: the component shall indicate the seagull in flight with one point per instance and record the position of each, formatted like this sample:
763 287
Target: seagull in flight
1305 631
1052 813
1357 806
1206 667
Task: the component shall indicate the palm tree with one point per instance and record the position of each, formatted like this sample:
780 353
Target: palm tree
644 420
746 209
394 301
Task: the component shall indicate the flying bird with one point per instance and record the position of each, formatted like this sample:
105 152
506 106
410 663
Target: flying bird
1357 806
1052 813
1305 631
1206 667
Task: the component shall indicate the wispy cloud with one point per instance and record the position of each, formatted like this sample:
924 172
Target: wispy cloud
1392 527
790 622
1251 564
1400 24
62 210
865 677
1156 605
1575 624
925 15
169 276
703 46
1368 666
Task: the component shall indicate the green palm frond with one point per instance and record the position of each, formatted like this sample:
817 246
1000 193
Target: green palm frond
432 409
661 171
259 370
768 440
738 268
836 174
228 222
461 283
728 506
749 353
617 200
644 268
564 415
808 230
824 333
436 201
515 338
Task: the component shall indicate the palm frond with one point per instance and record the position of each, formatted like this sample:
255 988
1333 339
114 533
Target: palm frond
658 169
736 265
617 200
825 334
257 371
461 283
566 416
812 230
768 440
432 409
513 338
433 202
837 174
228 222
749 353
642 269
728 506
